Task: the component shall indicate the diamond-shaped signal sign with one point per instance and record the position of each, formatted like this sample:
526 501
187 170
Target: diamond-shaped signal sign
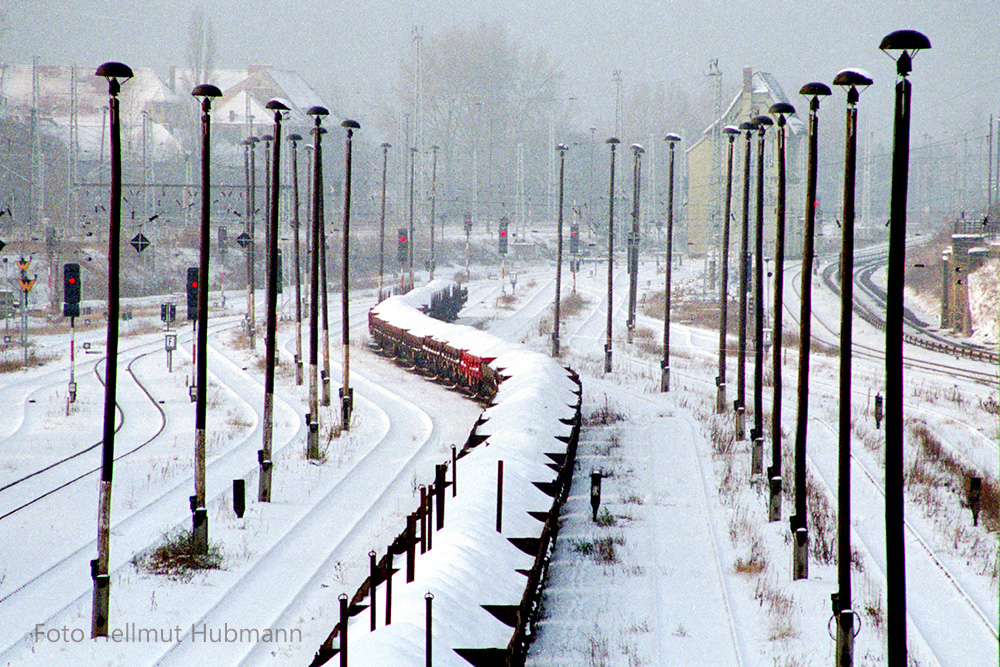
244 240
140 242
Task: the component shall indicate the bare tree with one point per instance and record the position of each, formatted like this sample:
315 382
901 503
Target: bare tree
200 47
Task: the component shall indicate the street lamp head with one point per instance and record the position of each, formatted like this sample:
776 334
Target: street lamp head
206 90
748 126
852 79
762 123
317 112
672 139
731 131
386 145
781 109
293 137
814 91
562 148
637 149
613 141
277 104
116 74
251 141
907 41
350 124
267 138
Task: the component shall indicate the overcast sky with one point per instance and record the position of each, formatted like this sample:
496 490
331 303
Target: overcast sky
350 51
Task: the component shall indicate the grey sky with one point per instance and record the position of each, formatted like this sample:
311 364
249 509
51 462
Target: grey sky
351 51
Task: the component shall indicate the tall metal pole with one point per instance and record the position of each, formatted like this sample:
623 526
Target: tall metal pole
757 436
671 139
781 110
199 513
252 249
312 448
294 139
562 148
741 351
720 381
381 221
633 240
434 167
908 41
797 522
324 286
413 160
613 142
115 73
845 614
264 491
346 393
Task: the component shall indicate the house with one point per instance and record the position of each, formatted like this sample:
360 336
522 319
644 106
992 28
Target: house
707 173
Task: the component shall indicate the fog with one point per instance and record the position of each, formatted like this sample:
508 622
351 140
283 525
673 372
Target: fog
351 52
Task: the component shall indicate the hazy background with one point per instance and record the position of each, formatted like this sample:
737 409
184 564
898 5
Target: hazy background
359 56
351 51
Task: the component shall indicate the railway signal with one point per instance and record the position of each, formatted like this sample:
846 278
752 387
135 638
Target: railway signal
71 290
502 241
574 239
403 248
192 292
468 224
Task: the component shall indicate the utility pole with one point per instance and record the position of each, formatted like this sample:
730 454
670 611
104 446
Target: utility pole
346 393
294 140
115 73
908 42
613 142
850 79
562 148
413 159
199 513
671 140
720 381
757 437
798 521
781 110
434 163
633 240
741 351
312 447
264 456
381 221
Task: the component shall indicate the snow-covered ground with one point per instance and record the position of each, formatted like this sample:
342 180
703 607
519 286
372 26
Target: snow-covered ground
682 567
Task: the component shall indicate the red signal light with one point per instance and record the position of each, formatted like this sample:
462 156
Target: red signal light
194 284
72 281
503 232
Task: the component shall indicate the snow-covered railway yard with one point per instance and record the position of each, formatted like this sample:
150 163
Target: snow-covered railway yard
681 568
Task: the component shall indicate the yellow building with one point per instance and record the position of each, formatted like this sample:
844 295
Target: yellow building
707 173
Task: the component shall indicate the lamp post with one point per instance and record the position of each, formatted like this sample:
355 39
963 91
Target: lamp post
346 393
781 110
562 148
252 246
908 42
671 140
851 80
324 373
757 434
613 142
199 514
271 343
294 140
312 447
633 240
381 221
413 160
797 522
116 74
267 139
434 163
720 398
741 350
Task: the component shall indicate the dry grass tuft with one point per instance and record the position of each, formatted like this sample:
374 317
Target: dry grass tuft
177 559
